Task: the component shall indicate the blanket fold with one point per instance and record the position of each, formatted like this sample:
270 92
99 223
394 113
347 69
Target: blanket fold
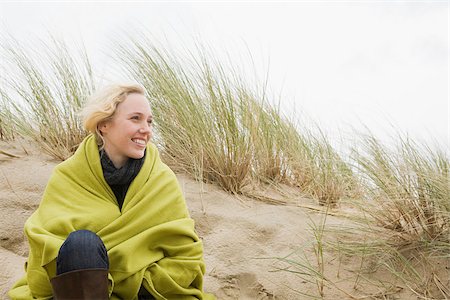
152 241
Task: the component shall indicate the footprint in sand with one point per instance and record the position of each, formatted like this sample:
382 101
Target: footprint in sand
245 286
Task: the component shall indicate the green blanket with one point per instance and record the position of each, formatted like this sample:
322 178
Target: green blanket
151 241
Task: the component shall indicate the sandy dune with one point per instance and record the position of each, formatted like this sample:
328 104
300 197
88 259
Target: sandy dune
241 236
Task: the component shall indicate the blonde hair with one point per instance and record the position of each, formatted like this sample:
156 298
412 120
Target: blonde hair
102 105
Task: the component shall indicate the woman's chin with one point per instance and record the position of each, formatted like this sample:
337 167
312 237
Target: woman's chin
137 154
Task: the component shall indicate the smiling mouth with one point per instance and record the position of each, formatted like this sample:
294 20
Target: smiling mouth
139 142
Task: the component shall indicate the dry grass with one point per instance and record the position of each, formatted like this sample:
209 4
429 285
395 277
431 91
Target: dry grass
211 123
398 238
198 115
411 207
410 189
7 129
45 92
403 225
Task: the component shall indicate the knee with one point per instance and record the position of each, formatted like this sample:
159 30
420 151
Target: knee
83 240
82 249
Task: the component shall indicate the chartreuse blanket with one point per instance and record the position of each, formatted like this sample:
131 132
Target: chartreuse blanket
150 242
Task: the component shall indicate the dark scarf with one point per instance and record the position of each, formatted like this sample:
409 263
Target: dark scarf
120 179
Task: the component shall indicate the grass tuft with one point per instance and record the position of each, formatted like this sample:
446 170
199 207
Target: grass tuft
212 125
45 92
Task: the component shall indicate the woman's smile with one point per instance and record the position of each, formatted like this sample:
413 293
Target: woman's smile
140 142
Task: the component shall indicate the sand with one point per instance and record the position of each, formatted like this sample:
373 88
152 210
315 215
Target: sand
242 237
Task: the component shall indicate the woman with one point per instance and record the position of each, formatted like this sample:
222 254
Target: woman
113 222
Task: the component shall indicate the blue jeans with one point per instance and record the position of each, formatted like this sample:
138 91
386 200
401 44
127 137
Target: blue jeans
82 249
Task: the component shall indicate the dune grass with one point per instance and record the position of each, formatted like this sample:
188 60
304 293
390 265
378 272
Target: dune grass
212 124
397 237
45 91
198 116
402 227
7 128
411 189
410 209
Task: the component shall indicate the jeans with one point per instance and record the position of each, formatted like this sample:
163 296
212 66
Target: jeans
83 249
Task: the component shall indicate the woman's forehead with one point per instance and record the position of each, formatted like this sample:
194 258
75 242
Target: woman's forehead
135 103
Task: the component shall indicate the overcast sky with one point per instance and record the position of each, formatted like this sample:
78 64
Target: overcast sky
341 62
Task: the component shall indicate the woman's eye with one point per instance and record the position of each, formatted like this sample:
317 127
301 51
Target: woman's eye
149 122
135 117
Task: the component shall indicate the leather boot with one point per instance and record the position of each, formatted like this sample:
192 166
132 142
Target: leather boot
81 284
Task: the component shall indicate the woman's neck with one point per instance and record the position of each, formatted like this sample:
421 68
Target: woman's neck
118 160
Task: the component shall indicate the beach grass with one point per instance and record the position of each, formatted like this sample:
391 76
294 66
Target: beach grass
7 128
43 92
401 226
409 192
410 188
212 124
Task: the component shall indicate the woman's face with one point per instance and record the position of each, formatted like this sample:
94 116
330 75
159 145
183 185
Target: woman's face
128 132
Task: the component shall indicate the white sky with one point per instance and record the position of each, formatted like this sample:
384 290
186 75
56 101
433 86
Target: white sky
341 62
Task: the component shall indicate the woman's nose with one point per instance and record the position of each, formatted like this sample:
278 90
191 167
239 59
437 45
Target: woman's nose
145 128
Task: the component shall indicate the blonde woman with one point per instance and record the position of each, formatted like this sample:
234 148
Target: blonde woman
113 223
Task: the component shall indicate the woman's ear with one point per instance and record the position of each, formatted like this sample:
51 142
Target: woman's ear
103 127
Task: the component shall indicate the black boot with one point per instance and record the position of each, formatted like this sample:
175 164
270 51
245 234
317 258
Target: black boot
85 284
